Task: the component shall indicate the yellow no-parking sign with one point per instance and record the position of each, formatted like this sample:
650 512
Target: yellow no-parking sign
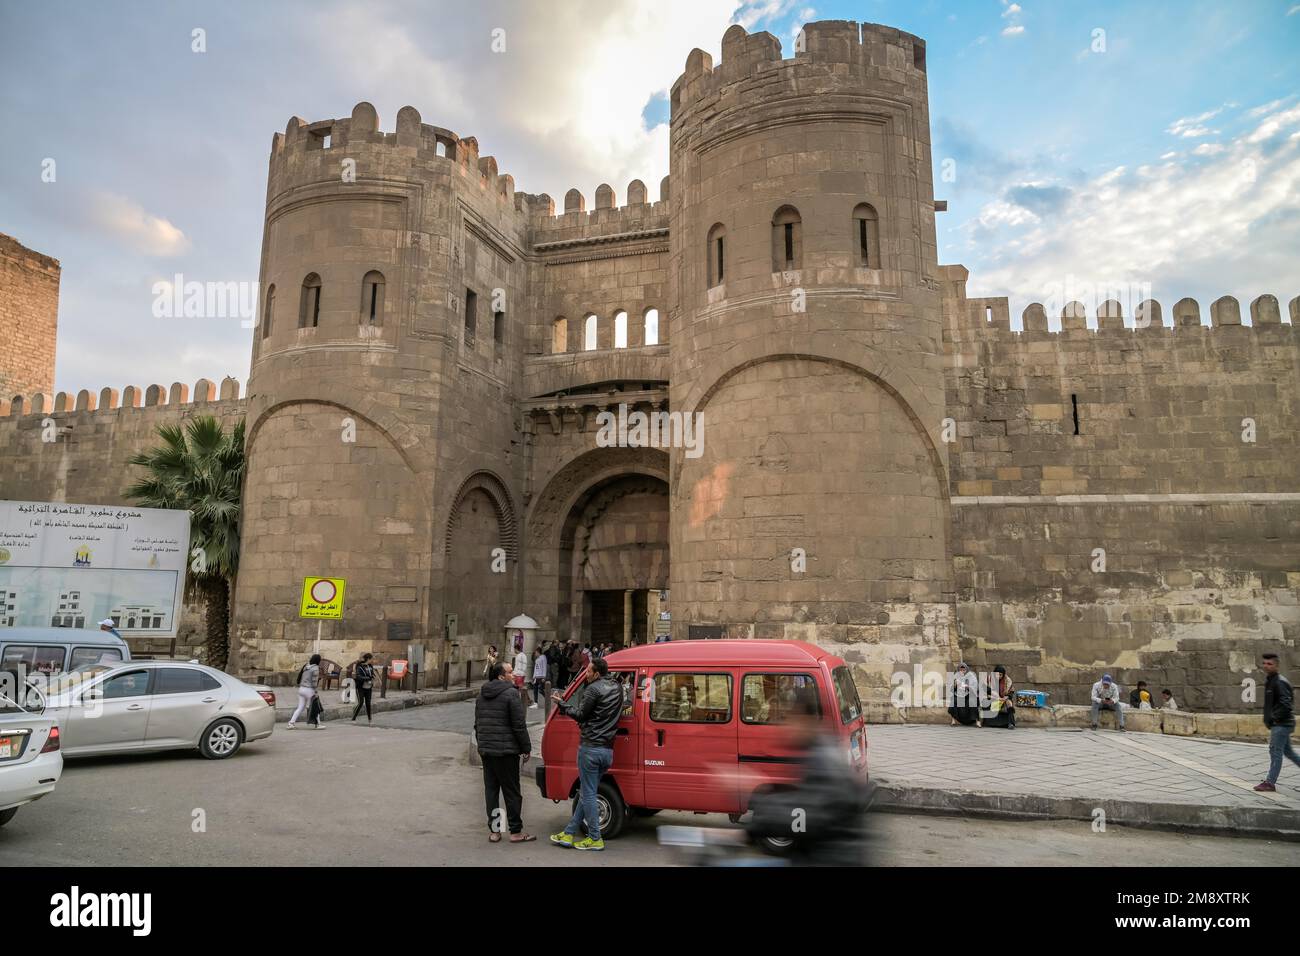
322 598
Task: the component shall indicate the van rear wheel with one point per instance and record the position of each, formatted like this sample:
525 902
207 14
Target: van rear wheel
610 808
7 815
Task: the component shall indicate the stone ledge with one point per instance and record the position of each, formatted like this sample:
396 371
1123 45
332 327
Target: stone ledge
1247 727
1268 822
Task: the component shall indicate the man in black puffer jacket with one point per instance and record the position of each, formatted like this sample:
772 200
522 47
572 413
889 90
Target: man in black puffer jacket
503 745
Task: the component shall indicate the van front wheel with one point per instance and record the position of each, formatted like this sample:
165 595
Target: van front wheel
611 809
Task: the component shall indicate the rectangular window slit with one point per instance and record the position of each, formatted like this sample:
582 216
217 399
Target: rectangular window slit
1074 402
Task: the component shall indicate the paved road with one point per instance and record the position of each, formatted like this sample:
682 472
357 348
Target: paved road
408 796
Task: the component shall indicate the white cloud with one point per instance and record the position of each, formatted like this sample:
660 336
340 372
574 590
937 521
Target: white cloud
1293 10
1228 222
1012 10
1276 122
563 106
1014 31
127 220
1190 127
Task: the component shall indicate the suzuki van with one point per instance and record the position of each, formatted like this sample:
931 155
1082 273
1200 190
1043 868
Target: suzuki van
702 727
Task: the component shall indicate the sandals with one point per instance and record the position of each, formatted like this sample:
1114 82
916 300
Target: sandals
522 838
494 837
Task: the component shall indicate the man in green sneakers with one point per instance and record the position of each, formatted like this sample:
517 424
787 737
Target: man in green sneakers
597 714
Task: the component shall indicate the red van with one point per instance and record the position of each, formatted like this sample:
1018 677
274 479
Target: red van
701 728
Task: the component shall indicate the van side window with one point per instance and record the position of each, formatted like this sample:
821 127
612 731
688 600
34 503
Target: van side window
691 698
37 660
773 698
82 656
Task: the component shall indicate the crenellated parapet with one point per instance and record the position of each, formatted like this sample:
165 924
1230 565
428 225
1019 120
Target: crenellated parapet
827 48
325 145
132 396
992 315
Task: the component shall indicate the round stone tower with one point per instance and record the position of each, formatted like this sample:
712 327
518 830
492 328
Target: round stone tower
806 338
380 427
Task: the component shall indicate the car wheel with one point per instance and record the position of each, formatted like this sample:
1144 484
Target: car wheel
610 808
7 815
221 739
776 846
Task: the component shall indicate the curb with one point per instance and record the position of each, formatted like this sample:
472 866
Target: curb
1266 822
335 711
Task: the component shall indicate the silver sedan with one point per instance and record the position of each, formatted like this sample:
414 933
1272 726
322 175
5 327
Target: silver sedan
136 706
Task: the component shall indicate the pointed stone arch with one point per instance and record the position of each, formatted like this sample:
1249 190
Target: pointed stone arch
499 495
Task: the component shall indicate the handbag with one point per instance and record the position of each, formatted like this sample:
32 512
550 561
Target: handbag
349 691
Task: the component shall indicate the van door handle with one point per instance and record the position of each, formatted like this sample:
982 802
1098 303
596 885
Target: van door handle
661 738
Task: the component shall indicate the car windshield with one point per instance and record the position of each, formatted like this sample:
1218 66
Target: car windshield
846 693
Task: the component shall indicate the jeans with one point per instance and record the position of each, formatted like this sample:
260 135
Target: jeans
539 689
363 698
1279 746
592 764
305 694
1109 705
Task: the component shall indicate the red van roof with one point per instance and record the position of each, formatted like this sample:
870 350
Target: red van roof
710 653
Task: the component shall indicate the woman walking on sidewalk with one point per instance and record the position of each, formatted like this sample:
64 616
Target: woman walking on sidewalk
308 681
540 664
364 675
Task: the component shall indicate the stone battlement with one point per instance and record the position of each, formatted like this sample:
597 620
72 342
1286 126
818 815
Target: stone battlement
132 396
841 46
992 314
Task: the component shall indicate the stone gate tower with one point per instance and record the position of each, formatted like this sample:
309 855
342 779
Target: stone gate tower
807 334
381 423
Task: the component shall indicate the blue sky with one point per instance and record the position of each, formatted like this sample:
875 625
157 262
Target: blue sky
1136 146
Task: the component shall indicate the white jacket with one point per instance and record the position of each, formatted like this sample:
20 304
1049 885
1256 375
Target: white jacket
1101 696
521 664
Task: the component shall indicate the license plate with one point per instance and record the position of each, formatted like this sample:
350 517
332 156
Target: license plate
7 748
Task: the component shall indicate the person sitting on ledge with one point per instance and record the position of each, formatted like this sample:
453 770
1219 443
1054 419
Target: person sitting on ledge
1001 711
964 697
1105 696
1140 698
1167 701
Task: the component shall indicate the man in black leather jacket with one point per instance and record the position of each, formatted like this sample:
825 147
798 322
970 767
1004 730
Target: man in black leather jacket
597 713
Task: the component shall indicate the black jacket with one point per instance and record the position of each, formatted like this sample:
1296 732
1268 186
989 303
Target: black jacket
1279 702
499 720
597 711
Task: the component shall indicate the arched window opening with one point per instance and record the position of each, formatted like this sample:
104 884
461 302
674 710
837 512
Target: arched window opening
309 303
717 254
620 330
560 335
589 333
372 299
651 326
787 240
268 312
866 236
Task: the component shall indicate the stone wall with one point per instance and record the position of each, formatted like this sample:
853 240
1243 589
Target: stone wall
1159 538
29 318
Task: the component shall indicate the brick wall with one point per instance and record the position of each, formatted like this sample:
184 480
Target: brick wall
29 317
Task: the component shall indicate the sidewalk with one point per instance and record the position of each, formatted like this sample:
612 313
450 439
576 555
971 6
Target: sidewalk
286 699
1140 780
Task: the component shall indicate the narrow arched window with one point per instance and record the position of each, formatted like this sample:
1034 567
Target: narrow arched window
560 335
372 299
309 303
268 312
620 329
787 240
866 236
651 326
589 332
717 254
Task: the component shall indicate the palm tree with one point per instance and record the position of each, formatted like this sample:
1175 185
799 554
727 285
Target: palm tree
200 468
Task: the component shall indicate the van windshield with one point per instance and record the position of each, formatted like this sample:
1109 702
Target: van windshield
846 693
